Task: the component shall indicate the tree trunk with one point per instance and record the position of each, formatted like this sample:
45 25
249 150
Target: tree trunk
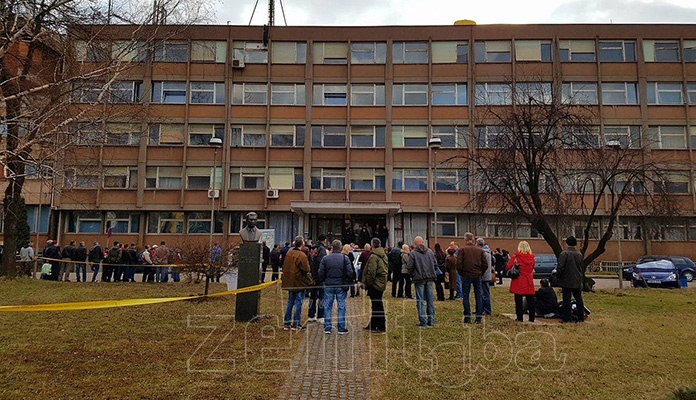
207 284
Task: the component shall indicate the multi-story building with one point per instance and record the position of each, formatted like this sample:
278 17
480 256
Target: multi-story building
326 128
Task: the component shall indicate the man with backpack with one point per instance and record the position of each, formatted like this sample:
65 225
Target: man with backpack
316 295
113 258
336 271
96 255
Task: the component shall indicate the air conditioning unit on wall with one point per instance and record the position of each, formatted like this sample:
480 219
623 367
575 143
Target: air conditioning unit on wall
272 193
213 194
238 63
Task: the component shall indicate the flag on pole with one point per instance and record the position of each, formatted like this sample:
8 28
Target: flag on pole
109 232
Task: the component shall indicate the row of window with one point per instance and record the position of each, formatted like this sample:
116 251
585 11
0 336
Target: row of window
446 94
368 136
416 52
290 178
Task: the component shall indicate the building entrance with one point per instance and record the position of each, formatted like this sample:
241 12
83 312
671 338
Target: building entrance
349 228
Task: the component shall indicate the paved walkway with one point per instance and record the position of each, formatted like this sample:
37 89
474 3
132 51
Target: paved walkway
337 365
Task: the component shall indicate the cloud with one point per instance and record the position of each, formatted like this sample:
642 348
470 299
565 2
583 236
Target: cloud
595 11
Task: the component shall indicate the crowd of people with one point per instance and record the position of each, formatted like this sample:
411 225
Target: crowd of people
328 271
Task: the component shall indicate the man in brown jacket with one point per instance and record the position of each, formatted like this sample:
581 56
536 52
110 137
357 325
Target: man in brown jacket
471 263
295 279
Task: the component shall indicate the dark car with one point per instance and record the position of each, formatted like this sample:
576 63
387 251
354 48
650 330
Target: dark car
544 264
686 267
660 273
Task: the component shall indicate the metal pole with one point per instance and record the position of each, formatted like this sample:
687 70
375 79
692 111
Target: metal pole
435 193
212 199
620 254
37 224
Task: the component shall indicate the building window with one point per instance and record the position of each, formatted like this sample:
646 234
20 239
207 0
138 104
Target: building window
673 233
410 180
533 93
124 92
451 180
330 95
450 52
123 134
165 222
667 137
163 178
494 94
287 135
368 53
490 136
247 178
84 222
207 93
617 51
120 178
92 51
533 50
287 94
584 137
166 134
122 222
446 225
88 92
691 93
689 51
169 92
40 170
209 51
328 179
665 93
199 222
661 51
577 50
525 230
284 178
328 136
452 136
171 51
128 50
622 184
454 94
367 136
675 182
619 93
367 179
499 227
37 223
200 134
579 93
250 93
81 178
330 53
367 95
492 51
288 52
199 178
409 136
627 136
410 52
250 52
248 136
409 95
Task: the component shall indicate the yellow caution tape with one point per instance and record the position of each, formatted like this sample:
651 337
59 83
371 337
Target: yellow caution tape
93 305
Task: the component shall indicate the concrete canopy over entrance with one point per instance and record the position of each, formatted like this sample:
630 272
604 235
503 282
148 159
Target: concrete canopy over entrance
311 207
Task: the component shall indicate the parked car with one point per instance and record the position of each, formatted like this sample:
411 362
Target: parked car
544 264
660 273
686 267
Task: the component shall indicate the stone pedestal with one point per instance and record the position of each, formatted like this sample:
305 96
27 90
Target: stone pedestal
247 305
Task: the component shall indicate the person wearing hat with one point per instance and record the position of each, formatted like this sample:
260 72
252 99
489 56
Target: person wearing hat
569 273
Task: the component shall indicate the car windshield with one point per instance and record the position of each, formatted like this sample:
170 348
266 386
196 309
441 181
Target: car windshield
661 264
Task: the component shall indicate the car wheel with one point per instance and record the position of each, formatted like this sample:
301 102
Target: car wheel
688 275
634 283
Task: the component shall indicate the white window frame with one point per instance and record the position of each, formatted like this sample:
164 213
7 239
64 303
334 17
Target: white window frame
132 133
374 52
450 52
330 52
375 134
497 227
539 92
287 94
627 135
250 52
376 94
446 220
204 172
212 51
691 93
404 178
374 176
175 218
457 94
628 91
296 133
609 47
410 52
205 132
673 178
459 135
85 217
330 95
451 180
653 49
127 175
214 89
494 94
155 135
410 136
658 134
154 176
81 177
239 175
255 94
88 92
328 130
486 136
657 90
132 92
585 92
533 50
169 51
404 93
577 50
689 51
248 136
296 50
326 176
161 88
112 219
493 51
285 178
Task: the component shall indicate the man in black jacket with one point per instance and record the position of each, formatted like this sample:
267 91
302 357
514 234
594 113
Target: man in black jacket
394 258
569 272
96 255
52 251
265 260
80 256
274 257
316 294
336 271
66 265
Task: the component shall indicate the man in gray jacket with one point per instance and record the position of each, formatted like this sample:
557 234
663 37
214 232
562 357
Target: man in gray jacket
421 266
569 272
336 272
486 278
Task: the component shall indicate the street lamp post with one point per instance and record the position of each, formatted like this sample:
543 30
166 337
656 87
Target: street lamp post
435 143
616 145
216 143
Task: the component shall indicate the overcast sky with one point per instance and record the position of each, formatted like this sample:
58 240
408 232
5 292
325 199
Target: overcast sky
445 12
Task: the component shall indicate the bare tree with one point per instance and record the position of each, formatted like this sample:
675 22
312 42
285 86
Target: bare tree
54 54
198 260
542 159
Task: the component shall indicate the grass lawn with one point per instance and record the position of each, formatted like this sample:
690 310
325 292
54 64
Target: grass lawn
638 344
144 352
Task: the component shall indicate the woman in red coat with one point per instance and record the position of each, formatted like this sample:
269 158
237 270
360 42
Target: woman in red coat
523 285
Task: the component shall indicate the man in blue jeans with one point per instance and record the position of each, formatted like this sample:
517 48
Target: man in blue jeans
336 272
295 281
421 266
471 264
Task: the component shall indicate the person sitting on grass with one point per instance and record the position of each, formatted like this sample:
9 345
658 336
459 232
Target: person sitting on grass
546 301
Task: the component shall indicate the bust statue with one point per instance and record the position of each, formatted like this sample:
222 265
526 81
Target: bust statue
250 233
